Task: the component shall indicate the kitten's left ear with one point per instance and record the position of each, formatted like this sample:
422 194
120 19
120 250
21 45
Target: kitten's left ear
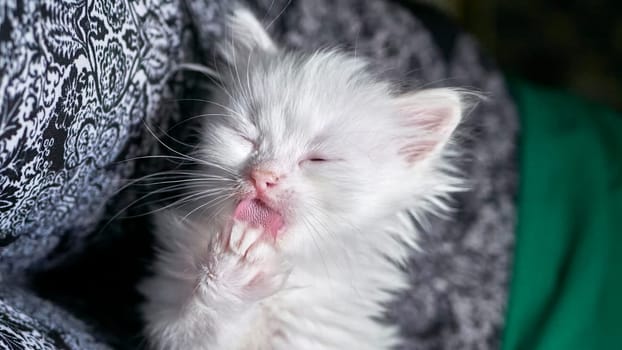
244 34
429 118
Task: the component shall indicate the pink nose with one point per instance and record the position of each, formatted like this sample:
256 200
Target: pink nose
264 179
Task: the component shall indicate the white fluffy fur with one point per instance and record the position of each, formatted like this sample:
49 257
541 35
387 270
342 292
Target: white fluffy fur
324 283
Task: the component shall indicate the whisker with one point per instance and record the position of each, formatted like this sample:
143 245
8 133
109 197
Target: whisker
174 173
155 156
185 120
188 181
199 161
210 203
313 230
185 199
237 114
279 14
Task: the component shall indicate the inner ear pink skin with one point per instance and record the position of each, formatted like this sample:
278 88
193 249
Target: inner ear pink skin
256 212
431 127
416 151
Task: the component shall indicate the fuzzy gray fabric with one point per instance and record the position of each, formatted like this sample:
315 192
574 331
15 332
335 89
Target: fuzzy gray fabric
460 278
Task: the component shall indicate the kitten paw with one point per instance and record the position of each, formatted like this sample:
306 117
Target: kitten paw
255 269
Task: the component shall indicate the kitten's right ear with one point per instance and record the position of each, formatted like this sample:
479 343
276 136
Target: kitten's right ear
244 35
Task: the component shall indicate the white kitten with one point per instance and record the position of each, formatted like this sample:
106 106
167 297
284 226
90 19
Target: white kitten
297 234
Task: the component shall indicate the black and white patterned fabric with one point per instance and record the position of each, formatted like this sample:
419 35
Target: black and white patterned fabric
79 81
27 322
84 83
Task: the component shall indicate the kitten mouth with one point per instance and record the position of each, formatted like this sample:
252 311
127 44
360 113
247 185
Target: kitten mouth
256 212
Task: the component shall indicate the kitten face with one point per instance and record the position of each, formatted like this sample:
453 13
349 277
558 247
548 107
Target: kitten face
316 145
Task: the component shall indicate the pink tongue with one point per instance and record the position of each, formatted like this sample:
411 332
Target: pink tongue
255 212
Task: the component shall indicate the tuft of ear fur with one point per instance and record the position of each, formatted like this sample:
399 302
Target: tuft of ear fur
244 35
429 118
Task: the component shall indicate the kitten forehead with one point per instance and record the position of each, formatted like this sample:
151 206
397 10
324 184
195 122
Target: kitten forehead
292 91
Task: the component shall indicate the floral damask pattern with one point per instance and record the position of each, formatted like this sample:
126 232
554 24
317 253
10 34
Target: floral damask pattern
79 79
29 323
18 331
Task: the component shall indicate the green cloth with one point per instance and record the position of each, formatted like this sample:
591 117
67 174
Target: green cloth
566 290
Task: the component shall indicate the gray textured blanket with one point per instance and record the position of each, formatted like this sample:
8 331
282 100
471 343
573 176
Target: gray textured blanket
52 192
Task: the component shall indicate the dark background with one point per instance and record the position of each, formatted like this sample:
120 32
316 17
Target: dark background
573 45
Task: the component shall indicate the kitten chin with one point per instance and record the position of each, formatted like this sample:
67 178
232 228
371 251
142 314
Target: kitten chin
299 212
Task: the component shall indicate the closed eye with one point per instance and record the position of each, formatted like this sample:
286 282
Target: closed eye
249 141
316 160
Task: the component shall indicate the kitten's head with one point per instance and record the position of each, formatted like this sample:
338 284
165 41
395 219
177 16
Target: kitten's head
317 145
